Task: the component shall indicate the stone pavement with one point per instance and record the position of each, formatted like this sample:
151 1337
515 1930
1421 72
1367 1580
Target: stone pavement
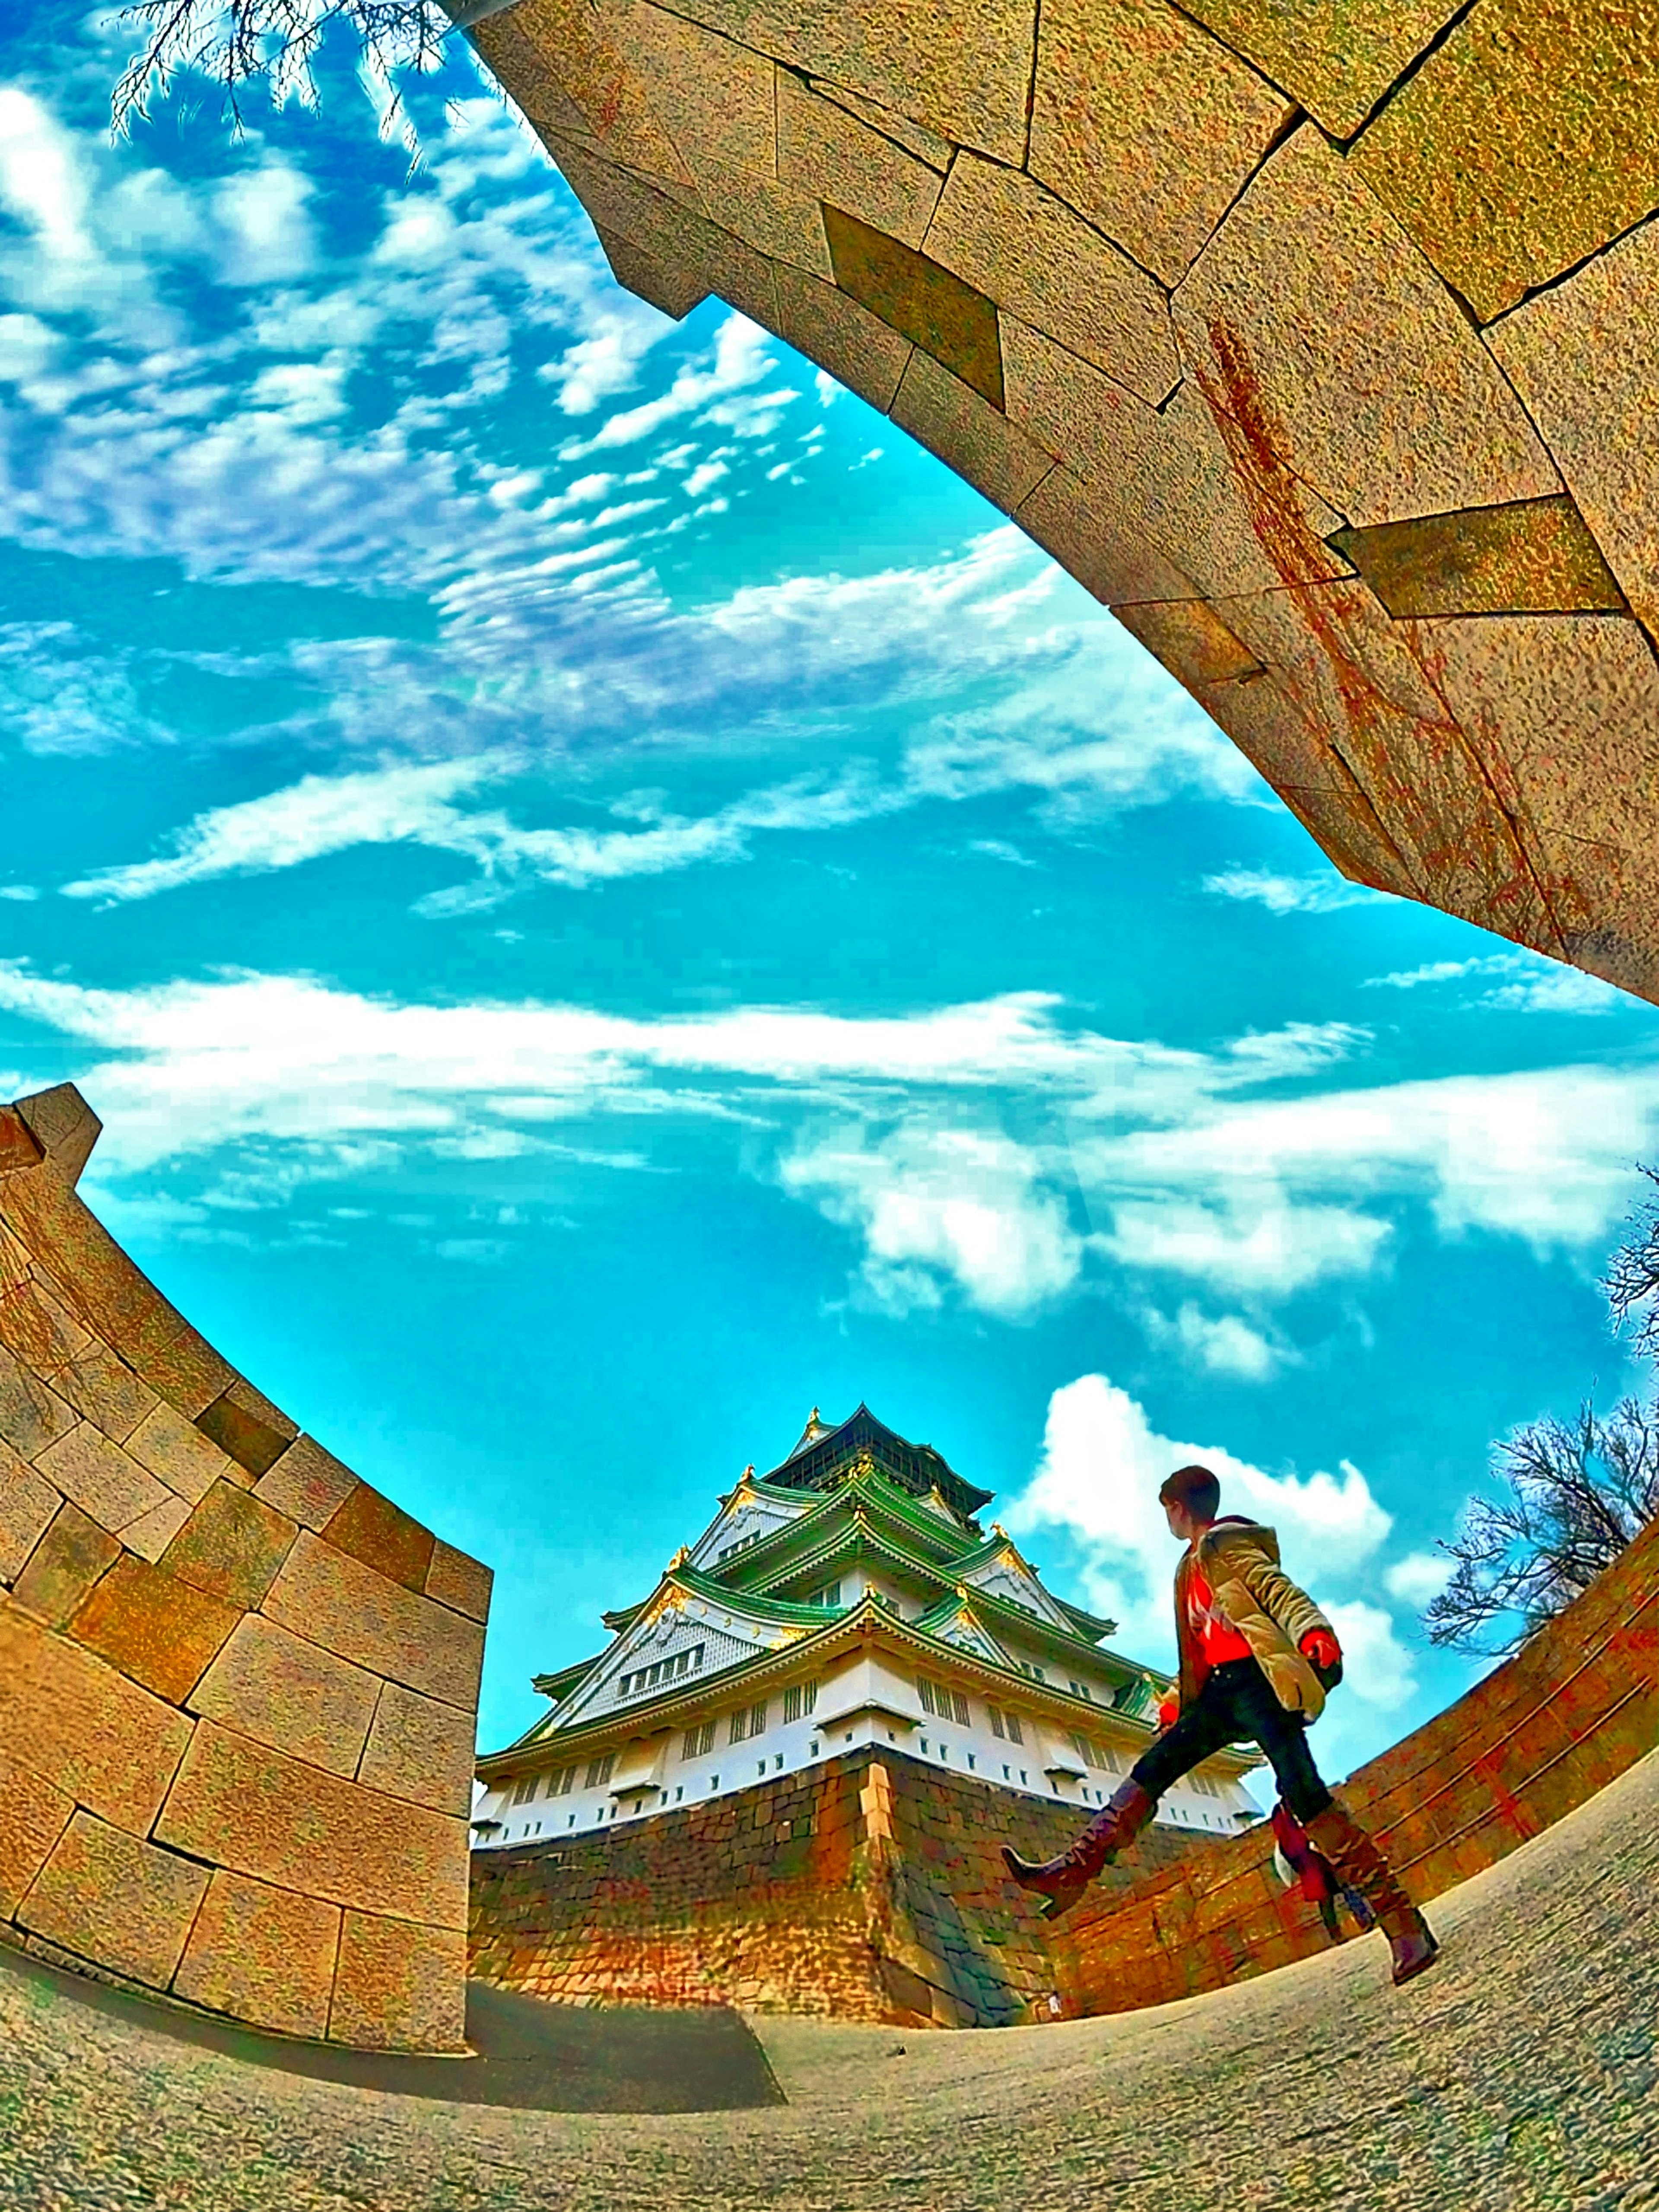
1518 2077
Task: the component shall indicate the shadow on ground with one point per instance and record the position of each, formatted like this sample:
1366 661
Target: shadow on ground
528 2055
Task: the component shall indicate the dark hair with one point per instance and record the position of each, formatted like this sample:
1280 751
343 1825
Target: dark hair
1195 1488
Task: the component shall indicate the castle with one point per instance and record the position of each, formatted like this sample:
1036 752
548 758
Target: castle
849 1598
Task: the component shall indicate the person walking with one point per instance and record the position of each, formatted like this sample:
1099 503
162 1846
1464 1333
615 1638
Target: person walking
1257 1657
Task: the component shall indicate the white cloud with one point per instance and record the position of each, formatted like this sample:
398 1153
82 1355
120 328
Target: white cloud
1098 1478
1224 1343
1376 1665
1282 894
1254 1240
267 232
1418 1577
1522 983
939 1207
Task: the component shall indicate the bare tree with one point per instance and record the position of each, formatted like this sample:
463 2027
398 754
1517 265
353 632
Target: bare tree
1631 1281
239 43
1578 1492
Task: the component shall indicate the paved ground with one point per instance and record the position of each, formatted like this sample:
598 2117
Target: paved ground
1518 2077
533 2057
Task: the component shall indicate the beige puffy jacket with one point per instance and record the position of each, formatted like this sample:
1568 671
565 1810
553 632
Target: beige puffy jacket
1240 1562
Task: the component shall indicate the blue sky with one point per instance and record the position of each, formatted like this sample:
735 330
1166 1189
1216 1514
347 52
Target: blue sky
605 899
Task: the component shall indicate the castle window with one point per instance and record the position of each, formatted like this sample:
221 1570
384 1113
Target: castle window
599 1771
526 1789
997 1728
943 1704
740 1728
758 1720
829 1594
699 1741
799 1697
1016 1734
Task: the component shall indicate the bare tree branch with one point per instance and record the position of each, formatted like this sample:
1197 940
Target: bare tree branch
1631 1281
239 43
1578 1494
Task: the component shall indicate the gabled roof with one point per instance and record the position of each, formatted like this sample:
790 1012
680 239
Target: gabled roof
915 1468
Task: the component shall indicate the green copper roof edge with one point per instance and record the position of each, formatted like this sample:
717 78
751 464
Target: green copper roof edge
875 1488
855 1626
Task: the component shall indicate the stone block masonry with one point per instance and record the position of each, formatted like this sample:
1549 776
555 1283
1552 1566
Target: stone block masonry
869 1888
238 1687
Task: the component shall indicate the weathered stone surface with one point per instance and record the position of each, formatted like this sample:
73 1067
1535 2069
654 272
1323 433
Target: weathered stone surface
99 1477
247 1806
828 153
952 323
308 1484
679 237
713 97
1582 356
1026 250
272 1685
1146 126
28 1503
247 1427
110 1898
232 1546
174 1451
673 288
155 1629
383 1536
422 1750
1337 58
32 1415
462 1584
915 137
105 1391
65 1127
1189 639
1313 320
60 1571
262 1954
978 440
335 1600
399 1986
1534 558
963 68
1093 539
1163 482
1524 144
19 1148
596 90
33 1814
150 1535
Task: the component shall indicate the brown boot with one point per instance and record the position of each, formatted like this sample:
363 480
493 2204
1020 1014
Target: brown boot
1063 1881
1361 1866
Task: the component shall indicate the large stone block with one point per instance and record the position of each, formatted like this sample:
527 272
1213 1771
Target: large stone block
962 68
155 1628
335 1600
1108 551
232 1546
272 1685
116 1900
32 1415
383 1536
262 1954
33 1814
399 1986
1582 357
955 324
978 440
1026 250
420 1749
1146 126
250 1807
461 1582
28 1503
246 1426
105 1391
828 153
1337 58
1524 144
308 1484
174 1451
1313 321
100 1477
1533 557
150 1535
59 1575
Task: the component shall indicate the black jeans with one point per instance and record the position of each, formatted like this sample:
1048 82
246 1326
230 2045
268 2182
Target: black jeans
1237 1704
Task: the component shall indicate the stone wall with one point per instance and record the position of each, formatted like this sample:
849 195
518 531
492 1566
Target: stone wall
869 1887
1314 340
1536 1738
238 1687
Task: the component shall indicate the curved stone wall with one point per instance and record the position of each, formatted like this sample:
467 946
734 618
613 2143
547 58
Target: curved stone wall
1314 339
1538 1736
238 1687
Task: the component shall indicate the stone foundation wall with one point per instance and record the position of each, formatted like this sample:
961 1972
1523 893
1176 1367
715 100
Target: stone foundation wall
238 1687
1537 1737
869 1887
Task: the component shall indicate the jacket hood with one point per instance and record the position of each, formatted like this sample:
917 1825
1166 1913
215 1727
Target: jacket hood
1236 1533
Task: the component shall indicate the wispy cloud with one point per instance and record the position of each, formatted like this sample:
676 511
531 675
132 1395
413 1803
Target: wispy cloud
1283 894
1517 982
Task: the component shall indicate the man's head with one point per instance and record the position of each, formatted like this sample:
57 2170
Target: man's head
1191 1498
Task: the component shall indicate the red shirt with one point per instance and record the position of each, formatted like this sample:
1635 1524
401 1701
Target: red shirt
1218 1639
